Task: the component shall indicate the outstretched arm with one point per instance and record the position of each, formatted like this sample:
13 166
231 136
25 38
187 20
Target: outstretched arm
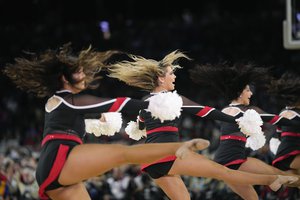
161 106
277 119
207 112
92 104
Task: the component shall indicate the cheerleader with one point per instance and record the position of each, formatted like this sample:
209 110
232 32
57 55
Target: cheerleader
65 162
158 77
287 90
233 82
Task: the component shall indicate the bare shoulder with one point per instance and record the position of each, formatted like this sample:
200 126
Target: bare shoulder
233 111
52 103
290 114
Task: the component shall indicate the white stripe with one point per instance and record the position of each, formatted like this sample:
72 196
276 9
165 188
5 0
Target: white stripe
123 104
297 115
265 114
88 106
272 116
277 120
61 91
193 106
199 107
208 112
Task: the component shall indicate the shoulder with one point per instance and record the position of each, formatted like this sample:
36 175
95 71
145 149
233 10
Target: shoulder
52 103
289 113
232 110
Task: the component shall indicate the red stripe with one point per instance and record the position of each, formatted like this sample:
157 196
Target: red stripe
274 119
141 119
233 137
166 159
293 153
235 162
58 136
204 111
119 101
292 134
55 170
163 129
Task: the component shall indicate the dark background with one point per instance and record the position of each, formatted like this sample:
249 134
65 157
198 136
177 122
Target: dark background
212 30
208 31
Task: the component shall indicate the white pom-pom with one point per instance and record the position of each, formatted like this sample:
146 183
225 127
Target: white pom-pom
256 141
113 123
92 126
165 105
274 144
134 132
250 123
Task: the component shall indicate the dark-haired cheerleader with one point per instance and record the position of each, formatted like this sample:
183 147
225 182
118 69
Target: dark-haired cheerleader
287 90
158 77
233 82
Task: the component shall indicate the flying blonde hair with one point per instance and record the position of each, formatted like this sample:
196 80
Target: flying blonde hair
143 73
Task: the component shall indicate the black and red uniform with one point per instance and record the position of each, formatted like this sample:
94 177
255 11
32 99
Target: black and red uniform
290 143
64 128
231 151
167 131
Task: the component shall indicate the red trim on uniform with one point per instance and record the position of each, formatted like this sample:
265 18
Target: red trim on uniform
274 119
293 153
165 159
204 111
292 134
59 136
162 129
235 162
141 119
117 104
233 137
55 170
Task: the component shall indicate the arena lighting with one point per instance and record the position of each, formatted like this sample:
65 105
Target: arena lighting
104 26
291 25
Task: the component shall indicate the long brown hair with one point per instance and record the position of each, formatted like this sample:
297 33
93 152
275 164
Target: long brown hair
286 89
41 73
228 79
